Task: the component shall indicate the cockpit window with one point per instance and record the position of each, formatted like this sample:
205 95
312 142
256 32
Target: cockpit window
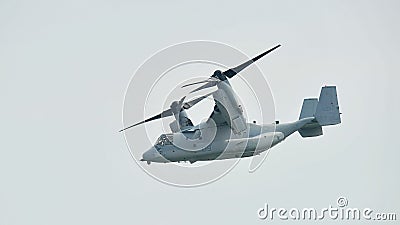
165 139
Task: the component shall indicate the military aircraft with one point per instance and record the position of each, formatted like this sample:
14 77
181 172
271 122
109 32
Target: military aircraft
226 134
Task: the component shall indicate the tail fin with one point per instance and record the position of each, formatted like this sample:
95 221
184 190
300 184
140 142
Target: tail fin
309 107
327 112
308 110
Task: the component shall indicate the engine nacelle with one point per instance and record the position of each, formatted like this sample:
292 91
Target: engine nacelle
182 120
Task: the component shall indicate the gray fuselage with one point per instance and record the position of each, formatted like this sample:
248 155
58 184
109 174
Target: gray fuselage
225 144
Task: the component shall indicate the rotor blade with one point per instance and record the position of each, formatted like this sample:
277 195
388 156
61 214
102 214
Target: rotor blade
181 101
165 113
169 112
233 71
188 105
207 85
200 82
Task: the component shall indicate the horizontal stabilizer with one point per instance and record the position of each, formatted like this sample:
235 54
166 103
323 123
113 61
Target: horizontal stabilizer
311 130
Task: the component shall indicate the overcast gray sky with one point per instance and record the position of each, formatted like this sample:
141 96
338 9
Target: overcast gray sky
65 66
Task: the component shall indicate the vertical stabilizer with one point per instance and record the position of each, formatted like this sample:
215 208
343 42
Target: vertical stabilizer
327 112
309 107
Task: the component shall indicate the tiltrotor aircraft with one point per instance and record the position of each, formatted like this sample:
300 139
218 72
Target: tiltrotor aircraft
226 134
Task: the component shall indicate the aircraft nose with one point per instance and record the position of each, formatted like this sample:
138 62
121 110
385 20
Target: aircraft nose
149 154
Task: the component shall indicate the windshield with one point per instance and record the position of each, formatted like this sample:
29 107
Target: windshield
165 139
